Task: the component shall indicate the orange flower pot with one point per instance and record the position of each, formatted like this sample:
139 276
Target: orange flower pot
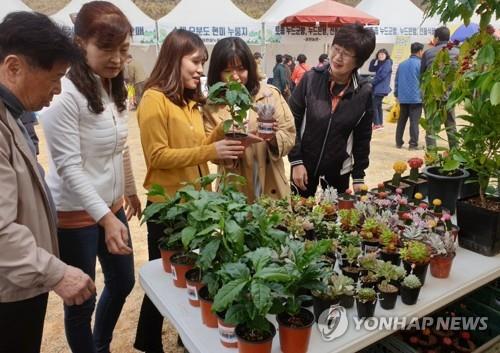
180 266
165 257
295 339
263 346
193 285
441 266
208 317
227 335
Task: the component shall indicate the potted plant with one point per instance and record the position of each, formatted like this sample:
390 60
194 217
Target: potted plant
265 120
349 219
443 253
388 292
416 179
238 100
473 83
389 241
350 265
193 285
416 258
366 300
370 235
396 182
368 264
410 288
181 263
346 200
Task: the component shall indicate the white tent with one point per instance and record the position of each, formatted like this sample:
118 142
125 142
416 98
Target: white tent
11 6
144 26
211 20
399 18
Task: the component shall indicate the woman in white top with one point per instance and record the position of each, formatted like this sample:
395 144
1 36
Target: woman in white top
90 173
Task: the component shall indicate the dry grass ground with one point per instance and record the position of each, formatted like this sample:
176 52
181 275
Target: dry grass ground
382 157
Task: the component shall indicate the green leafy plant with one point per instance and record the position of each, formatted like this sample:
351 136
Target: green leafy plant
389 240
366 295
388 272
415 252
369 261
336 286
236 97
412 281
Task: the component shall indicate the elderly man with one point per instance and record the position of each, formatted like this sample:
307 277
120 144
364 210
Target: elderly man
34 55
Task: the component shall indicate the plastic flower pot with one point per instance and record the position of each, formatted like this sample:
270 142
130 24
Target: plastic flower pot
388 299
420 270
295 331
208 317
345 204
347 301
392 257
352 272
369 283
227 335
249 342
365 310
409 296
165 258
265 128
181 263
368 246
193 284
444 187
441 265
322 304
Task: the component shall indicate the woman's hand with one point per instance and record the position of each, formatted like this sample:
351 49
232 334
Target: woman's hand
116 235
132 207
229 149
299 176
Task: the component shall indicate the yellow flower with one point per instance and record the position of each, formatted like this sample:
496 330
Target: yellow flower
363 198
419 196
436 202
364 187
399 167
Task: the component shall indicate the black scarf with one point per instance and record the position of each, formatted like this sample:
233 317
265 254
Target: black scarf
12 103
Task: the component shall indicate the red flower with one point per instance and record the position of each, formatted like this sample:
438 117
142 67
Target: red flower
415 162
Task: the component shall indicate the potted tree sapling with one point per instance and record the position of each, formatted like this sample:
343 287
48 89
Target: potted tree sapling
410 289
443 252
366 300
416 258
388 292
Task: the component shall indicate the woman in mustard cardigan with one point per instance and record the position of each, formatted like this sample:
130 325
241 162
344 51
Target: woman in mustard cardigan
262 163
175 146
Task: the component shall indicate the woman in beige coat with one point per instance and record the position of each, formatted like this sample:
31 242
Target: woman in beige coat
262 164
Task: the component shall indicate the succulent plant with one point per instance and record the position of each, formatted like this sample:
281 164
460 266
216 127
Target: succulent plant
349 218
442 244
415 252
326 195
399 168
388 239
336 286
387 271
366 295
347 238
369 261
413 232
400 272
370 228
415 163
351 252
412 282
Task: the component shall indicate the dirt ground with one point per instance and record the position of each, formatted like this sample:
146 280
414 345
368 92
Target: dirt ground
383 155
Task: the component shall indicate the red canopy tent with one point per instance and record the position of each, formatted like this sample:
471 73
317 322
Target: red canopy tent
329 13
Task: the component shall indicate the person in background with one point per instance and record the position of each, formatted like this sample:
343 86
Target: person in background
134 74
290 66
407 92
322 60
175 146
280 77
334 140
34 53
300 69
382 66
441 40
258 61
262 163
90 172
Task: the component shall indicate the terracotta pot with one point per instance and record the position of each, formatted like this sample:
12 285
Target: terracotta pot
263 346
441 266
227 335
193 285
345 204
208 317
179 269
295 339
165 257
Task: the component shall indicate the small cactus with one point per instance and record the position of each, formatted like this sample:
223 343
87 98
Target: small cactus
412 282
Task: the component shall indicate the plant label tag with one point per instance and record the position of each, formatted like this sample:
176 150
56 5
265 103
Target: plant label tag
227 334
174 273
192 292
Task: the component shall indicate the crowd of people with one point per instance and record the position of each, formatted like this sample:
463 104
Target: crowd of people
54 227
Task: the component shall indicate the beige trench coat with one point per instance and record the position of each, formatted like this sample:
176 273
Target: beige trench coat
268 155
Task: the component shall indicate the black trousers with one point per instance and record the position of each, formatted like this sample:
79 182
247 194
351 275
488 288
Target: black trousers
21 325
150 325
333 178
413 112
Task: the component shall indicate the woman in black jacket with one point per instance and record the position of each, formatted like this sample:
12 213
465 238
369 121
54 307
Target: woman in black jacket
333 114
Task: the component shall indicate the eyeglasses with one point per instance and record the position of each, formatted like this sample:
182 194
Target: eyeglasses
341 52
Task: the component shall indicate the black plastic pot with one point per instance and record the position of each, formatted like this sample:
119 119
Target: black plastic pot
365 310
320 305
408 189
388 299
392 257
369 284
445 188
470 187
421 185
347 301
479 228
409 296
353 275
420 270
368 246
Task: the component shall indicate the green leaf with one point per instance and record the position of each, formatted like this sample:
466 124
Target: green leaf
156 190
227 125
208 253
236 314
450 165
495 94
261 296
236 270
187 235
152 210
260 258
274 274
486 55
228 293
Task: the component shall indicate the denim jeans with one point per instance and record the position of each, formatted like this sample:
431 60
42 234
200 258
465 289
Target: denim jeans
378 114
414 112
80 247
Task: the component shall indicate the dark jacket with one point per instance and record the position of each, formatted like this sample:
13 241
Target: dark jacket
348 146
382 81
280 77
407 82
430 55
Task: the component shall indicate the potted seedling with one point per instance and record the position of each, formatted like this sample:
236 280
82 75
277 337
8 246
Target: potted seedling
344 240
388 291
410 288
416 179
350 264
370 235
366 300
265 120
389 241
181 263
368 264
339 289
443 252
396 182
416 257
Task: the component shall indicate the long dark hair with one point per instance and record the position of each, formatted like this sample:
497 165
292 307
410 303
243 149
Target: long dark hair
166 75
105 23
232 50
